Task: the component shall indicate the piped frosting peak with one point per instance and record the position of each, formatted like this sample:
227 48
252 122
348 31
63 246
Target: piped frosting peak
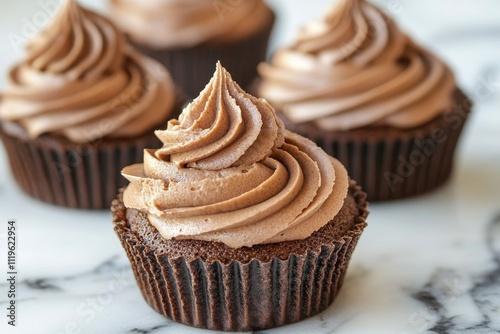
355 68
187 23
80 80
224 127
228 172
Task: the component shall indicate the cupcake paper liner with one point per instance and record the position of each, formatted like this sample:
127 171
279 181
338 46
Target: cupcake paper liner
193 67
238 296
85 176
390 163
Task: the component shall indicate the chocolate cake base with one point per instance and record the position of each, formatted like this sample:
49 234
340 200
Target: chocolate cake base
192 68
391 163
210 285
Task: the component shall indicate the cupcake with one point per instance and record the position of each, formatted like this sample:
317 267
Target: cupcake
189 36
81 106
236 224
389 110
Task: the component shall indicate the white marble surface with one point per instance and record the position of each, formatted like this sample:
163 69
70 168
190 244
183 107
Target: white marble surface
425 265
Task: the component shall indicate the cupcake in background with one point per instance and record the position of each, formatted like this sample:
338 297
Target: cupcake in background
365 92
82 105
189 36
236 224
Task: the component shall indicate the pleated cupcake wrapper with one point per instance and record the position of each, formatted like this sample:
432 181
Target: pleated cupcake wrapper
73 175
193 67
238 296
393 167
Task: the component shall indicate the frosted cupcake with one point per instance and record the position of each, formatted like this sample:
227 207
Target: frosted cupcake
236 224
81 106
189 36
369 95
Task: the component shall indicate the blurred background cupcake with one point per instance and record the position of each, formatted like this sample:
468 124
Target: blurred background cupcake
365 92
189 36
79 107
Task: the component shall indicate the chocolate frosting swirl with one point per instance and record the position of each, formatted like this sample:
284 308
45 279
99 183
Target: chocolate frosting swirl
355 68
229 172
186 23
82 81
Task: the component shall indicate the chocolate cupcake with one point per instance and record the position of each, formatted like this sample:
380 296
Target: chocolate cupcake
389 110
81 106
236 224
188 37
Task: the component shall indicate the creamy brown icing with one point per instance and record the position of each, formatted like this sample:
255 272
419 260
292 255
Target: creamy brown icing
82 81
229 172
186 23
355 68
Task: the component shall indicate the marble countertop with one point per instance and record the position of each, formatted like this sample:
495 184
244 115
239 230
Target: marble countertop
425 265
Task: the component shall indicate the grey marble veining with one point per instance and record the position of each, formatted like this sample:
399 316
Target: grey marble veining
481 290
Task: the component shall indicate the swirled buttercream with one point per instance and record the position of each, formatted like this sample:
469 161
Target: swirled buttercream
229 172
355 68
186 23
82 81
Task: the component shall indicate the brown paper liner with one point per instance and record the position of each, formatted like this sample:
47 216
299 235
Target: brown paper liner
390 163
85 176
236 295
192 68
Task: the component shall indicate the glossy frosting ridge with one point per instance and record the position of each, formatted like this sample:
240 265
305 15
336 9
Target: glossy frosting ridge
355 68
186 23
229 172
81 80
